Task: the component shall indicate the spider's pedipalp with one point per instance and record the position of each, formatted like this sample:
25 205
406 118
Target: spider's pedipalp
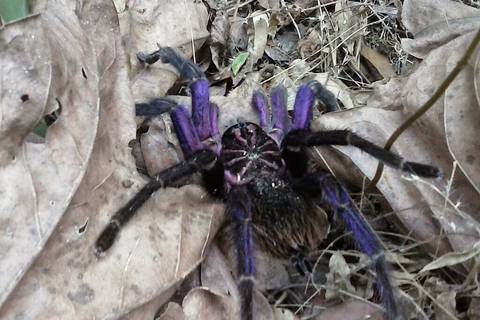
346 138
202 160
239 207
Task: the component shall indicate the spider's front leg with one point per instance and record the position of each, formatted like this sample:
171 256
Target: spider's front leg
302 137
191 131
200 161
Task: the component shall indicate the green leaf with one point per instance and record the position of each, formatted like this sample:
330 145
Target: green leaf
13 9
239 61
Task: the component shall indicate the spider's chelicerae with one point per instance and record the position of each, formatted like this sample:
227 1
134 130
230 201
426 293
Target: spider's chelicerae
260 171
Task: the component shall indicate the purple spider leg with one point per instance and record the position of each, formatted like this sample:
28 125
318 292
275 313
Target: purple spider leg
334 194
280 120
240 210
186 133
302 110
203 113
259 103
201 108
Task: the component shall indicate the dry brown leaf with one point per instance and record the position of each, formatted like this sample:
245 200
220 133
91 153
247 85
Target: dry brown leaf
269 4
39 179
462 111
379 61
219 34
351 24
445 297
153 254
260 23
156 22
456 114
351 310
160 139
338 277
218 298
427 20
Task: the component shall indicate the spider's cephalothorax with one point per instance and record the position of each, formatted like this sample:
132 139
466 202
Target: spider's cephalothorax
248 152
260 171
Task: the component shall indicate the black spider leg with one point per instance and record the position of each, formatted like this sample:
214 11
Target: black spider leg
301 263
200 161
154 107
326 97
333 194
187 69
240 208
300 137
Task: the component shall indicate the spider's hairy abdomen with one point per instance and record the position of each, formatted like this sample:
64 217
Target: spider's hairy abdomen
284 222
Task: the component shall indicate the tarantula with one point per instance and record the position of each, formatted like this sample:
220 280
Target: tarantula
261 172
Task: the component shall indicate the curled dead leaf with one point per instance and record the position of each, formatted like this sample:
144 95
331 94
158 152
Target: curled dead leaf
40 178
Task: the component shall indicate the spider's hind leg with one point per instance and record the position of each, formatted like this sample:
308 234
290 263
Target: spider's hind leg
328 190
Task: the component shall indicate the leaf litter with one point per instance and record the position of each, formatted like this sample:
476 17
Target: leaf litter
381 61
